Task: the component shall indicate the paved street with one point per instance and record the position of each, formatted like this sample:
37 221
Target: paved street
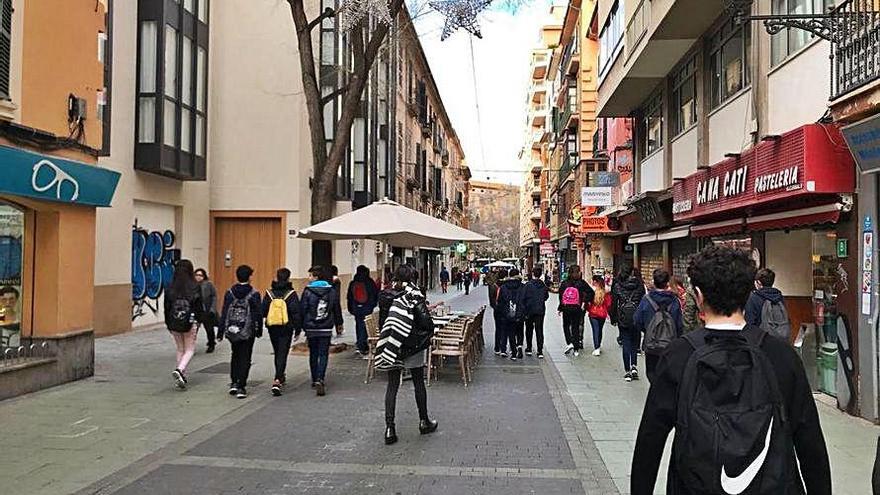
561 426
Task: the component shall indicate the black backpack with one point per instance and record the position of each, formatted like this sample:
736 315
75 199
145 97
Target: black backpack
181 316
626 309
660 331
320 312
239 324
732 433
775 321
507 302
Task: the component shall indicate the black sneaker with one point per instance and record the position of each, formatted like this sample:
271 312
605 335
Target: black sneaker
540 355
513 356
528 352
233 389
241 393
635 374
276 388
320 390
519 353
627 377
179 381
210 349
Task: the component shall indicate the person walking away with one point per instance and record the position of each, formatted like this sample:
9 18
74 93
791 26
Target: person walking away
362 298
467 280
690 312
321 312
658 317
208 293
241 324
284 321
410 325
597 310
456 278
676 286
766 307
336 282
444 279
751 427
500 331
627 293
183 311
509 313
476 276
491 279
574 295
533 301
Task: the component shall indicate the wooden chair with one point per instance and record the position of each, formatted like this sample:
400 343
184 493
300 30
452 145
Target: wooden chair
372 322
452 341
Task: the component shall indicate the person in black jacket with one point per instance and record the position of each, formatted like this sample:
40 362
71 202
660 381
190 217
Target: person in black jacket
321 312
722 278
764 291
533 298
240 364
500 335
508 297
183 312
208 293
362 298
282 335
627 293
413 350
574 308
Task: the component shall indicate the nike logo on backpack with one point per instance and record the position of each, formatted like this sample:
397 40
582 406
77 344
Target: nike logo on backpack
738 484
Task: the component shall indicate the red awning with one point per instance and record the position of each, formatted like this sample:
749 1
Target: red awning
817 215
717 228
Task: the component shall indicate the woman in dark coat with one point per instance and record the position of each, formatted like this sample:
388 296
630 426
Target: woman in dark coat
209 306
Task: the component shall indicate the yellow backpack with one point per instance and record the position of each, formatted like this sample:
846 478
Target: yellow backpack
277 316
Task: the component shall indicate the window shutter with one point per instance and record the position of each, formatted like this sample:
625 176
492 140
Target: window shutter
5 45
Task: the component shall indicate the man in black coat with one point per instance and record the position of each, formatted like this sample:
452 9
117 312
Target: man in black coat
533 299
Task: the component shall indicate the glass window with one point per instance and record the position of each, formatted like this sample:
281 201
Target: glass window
169 129
186 130
146 119
203 11
149 36
102 46
610 36
201 80
200 135
654 124
728 62
186 71
11 264
189 5
684 91
170 61
328 47
789 41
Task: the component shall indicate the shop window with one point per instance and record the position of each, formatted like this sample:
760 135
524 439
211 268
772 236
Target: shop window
789 41
172 89
653 122
829 281
684 97
11 267
728 61
5 46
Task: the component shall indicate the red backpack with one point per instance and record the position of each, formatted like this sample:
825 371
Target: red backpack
359 293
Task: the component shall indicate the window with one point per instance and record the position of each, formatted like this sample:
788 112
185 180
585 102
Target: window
728 61
11 279
102 46
789 41
5 46
684 97
610 36
654 123
172 89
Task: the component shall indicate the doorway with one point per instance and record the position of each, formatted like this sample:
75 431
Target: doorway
252 240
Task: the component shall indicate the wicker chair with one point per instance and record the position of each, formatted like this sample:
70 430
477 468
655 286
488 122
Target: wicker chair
372 322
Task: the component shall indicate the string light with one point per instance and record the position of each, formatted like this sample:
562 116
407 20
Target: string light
460 14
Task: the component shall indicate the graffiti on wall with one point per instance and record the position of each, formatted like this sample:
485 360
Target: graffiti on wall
152 266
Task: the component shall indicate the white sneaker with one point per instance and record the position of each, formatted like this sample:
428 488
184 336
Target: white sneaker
569 348
597 352
577 353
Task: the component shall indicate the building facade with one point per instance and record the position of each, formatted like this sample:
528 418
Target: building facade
52 87
494 211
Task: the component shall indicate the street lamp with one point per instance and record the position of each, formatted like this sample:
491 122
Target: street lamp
554 206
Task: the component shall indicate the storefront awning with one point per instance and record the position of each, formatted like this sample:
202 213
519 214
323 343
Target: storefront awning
642 238
718 228
674 233
817 215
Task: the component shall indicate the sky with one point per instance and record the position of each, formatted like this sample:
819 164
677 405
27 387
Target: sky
502 79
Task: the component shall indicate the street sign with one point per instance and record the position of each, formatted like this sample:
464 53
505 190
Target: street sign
597 196
863 139
461 248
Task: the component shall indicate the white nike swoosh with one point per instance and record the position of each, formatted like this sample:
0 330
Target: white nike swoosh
738 484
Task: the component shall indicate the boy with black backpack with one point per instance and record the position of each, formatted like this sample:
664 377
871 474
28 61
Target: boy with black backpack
659 318
744 416
766 307
627 292
507 313
281 310
241 323
321 313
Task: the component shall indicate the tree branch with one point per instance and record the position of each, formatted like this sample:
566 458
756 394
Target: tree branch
327 14
328 98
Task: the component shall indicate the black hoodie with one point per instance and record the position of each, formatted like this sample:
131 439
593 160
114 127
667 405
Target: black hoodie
278 291
630 289
756 303
533 298
586 294
508 291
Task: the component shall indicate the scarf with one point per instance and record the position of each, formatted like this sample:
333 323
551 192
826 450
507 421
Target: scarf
396 329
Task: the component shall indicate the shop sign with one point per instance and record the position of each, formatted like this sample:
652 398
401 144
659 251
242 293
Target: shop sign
603 179
595 225
575 217
863 139
867 269
55 179
682 206
842 248
784 179
734 184
597 196
547 249
461 248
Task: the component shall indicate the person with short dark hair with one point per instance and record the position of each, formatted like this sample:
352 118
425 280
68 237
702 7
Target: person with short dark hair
659 298
241 295
627 291
574 296
321 312
283 297
500 335
509 314
362 298
209 307
774 444
444 278
764 291
183 312
533 305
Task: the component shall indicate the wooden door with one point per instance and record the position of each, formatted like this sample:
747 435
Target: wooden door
258 242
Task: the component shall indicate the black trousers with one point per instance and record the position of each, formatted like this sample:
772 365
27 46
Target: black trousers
651 361
240 366
535 325
281 338
514 334
500 335
418 380
573 328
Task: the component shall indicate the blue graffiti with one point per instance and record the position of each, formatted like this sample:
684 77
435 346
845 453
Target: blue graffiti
152 267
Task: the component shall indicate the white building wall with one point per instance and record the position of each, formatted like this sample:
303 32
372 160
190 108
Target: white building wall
685 153
730 127
652 176
798 89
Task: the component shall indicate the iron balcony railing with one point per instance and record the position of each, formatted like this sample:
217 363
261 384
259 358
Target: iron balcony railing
855 54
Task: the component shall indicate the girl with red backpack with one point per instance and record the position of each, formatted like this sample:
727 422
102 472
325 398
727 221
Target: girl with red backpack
363 295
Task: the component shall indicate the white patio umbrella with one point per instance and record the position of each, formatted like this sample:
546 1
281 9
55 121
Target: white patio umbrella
500 264
393 223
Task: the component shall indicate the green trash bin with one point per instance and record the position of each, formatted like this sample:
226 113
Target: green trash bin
826 364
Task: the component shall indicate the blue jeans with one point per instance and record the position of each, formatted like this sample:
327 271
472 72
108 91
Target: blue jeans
597 324
630 337
360 329
319 353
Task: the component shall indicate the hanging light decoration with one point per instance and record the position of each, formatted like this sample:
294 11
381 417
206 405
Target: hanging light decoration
352 12
460 14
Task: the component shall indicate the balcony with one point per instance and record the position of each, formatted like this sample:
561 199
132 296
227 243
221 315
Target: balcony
539 69
856 58
539 91
536 190
537 168
568 164
535 216
539 119
571 59
657 36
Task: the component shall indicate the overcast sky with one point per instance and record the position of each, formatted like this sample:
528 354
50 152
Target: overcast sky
502 71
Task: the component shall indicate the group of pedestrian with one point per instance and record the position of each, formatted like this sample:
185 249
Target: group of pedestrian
190 301
463 278
518 309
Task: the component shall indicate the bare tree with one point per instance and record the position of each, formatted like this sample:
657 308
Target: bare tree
365 46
